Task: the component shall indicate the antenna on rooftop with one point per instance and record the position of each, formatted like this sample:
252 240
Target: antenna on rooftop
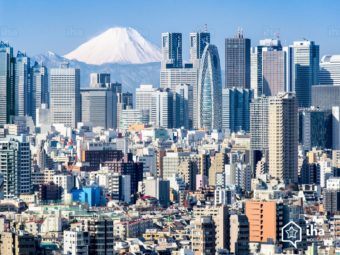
205 28
239 33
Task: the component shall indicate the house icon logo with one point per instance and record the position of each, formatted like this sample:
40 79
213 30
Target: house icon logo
292 233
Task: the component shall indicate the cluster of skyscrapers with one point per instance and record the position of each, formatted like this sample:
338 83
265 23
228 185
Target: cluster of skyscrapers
237 156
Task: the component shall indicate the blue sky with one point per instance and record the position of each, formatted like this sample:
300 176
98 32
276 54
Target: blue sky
37 26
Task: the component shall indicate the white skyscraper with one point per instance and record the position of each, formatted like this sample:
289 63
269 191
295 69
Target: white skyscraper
143 97
330 70
65 95
162 110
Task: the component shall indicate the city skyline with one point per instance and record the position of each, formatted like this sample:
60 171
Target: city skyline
222 20
119 147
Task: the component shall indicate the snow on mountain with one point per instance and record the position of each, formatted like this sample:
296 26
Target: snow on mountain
116 45
130 75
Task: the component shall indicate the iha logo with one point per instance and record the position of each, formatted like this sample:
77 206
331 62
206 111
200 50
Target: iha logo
292 233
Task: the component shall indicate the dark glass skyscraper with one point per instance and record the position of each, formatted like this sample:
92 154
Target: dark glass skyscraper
237 62
6 82
172 50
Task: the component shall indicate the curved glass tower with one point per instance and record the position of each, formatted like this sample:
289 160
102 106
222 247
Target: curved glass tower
210 89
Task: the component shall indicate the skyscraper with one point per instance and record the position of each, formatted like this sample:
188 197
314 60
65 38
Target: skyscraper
172 50
330 70
198 41
274 72
259 124
40 94
283 137
305 70
65 95
99 79
15 165
268 68
162 109
237 62
143 97
236 109
209 90
6 82
98 106
23 89
315 127
325 96
184 106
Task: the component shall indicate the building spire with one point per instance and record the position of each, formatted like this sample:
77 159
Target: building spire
239 33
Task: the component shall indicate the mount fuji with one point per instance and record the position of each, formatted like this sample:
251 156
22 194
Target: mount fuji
122 52
116 45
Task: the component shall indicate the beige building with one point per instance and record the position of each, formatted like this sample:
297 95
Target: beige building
220 216
239 234
203 236
283 137
217 166
18 244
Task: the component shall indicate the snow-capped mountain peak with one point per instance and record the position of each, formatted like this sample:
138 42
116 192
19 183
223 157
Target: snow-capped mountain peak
116 45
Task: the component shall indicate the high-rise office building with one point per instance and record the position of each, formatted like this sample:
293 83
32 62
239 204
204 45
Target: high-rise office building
258 131
268 68
23 88
184 106
143 96
127 100
162 109
99 79
133 116
15 165
198 41
330 70
6 83
325 96
98 106
209 90
171 78
40 94
283 137
259 124
335 128
236 109
305 70
172 50
274 72
237 61
315 127
65 99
